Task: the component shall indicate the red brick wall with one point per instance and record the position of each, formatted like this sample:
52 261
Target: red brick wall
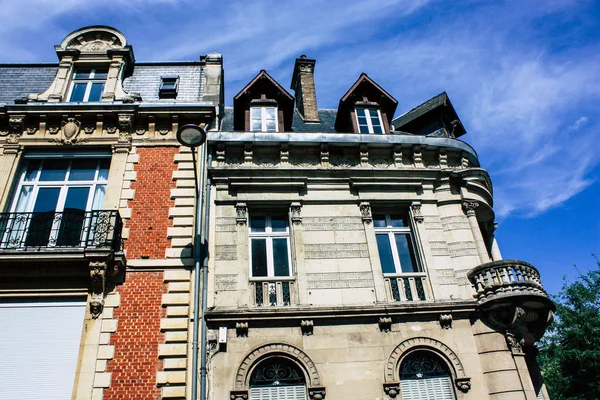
137 338
150 205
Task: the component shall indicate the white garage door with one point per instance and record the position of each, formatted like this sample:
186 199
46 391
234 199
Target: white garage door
39 345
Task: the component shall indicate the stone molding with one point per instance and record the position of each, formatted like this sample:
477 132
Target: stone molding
246 366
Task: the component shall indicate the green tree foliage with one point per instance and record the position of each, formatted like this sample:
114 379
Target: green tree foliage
570 351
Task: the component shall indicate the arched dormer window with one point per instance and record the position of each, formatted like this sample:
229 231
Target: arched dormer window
365 108
425 376
277 378
263 106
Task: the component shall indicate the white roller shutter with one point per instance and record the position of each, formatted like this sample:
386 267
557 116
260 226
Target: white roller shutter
278 393
438 388
39 346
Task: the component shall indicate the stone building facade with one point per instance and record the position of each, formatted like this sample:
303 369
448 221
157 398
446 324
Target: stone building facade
351 254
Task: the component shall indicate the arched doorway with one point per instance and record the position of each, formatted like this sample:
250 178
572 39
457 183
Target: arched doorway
425 376
277 378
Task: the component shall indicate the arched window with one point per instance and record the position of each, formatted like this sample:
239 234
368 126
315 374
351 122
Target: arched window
277 378
425 376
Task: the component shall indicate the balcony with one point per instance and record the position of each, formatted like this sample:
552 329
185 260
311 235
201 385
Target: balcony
272 293
407 287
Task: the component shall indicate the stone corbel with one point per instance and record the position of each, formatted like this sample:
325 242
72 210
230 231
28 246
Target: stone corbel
469 207
125 127
417 157
248 153
16 124
385 324
416 210
324 154
316 393
398 155
295 211
241 329
98 270
307 327
446 321
284 153
238 395
220 153
463 384
241 211
443 159
515 344
391 389
365 211
364 154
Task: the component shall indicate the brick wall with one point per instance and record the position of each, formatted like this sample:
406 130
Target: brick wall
137 338
150 206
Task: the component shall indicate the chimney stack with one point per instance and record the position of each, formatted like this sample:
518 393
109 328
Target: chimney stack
303 84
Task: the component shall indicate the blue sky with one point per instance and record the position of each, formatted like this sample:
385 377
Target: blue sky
524 76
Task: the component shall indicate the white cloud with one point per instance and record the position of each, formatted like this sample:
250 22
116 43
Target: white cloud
579 123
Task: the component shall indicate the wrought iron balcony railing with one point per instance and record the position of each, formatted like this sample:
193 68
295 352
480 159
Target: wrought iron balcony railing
407 287
507 278
67 229
271 292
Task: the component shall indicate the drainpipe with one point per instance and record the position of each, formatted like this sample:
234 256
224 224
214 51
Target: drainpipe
205 288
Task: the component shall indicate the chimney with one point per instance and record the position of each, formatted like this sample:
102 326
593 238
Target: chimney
303 84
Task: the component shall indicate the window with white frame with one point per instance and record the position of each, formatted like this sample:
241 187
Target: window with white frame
369 120
263 119
269 246
88 84
52 199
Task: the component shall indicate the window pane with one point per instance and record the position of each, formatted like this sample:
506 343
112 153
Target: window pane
83 73
255 113
257 224
377 129
46 200
399 221
104 167
256 126
78 92
54 170
373 114
360 112
362 121
271 126
168 85
379 221
83 170
96 92
99 197
406 254
77 198
385 254
101 73
270 112
363 129
279 223
280 257
259 257
32 170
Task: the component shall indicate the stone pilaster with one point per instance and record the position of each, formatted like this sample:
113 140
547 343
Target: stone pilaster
469 208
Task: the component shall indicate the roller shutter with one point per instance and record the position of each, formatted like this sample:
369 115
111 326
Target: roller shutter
435 388
278 393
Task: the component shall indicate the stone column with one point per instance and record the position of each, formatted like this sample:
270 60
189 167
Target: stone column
516 346
469 209
494 249
378 279
8 165
298 296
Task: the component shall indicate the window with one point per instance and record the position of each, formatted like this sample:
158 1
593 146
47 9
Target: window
88 84
277 378
424 376
263 119
168 87
52 202
369 120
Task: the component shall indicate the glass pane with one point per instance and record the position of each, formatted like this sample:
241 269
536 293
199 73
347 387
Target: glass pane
42 220
280 257
360 112
259 257
78 91
46 200
256 126
279 223
377 129
54 170
168 85
23 199
73 216
399 220
379 221
257 224
406 254
83 73
363 129
77 198
99 197
101 73
362 121
270 112
373 113
255 113
104 167
83 170
32 170
385 254
96 92
271 126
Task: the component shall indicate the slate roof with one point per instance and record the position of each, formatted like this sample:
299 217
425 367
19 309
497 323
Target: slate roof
18 80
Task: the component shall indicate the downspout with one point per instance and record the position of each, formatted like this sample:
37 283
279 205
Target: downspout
205 288
197 259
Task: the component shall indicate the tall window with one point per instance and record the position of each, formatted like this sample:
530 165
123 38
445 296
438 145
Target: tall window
369 120
88 84
263 119
424 376
269 246
51 201
277 378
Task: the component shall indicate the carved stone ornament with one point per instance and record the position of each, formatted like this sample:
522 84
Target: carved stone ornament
295 211
316 393
70 128
365 211
111 129
16 123
31 130
391 389
514 343
238 395
470 206
307 327
446 321
385 324
241 211
125 126
463 384
53 130
241 329
416 210
13 138
98 283
89 130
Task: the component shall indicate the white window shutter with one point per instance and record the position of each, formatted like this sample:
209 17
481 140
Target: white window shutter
438 388
278 393
39 347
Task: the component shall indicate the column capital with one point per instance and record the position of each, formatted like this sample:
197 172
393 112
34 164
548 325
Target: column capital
469 206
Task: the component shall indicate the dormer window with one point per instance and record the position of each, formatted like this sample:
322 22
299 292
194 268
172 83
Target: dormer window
168 86
369 120
88 84
263 119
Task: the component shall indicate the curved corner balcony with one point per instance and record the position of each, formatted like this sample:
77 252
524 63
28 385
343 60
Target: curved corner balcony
507 281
